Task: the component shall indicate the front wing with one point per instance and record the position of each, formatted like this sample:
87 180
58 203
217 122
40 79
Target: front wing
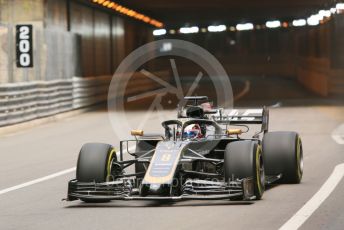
191 190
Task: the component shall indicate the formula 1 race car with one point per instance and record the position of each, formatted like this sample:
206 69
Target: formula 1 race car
202 155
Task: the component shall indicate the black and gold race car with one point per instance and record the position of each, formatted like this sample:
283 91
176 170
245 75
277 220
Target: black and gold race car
203 154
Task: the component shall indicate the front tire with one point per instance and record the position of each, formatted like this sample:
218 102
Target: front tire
94 164
283 153
243 159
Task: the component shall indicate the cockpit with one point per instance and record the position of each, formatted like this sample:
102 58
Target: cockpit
194 129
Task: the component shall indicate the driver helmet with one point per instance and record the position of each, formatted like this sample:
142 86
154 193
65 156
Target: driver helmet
192 131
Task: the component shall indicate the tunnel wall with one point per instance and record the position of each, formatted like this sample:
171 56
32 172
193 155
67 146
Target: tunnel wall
258 52
70 38
76 49
312 55
20 12
320 65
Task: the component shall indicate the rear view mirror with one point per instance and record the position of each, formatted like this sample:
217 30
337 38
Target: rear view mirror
137 132
233 132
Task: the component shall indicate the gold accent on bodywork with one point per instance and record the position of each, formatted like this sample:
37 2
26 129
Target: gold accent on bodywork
162 180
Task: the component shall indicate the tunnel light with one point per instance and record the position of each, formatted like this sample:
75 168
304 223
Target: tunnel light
333 10
111 4
299 22
129 12
314 20
106 3
159 32
325 13
245 26
318 16
273 24
218 28
189 30
340 6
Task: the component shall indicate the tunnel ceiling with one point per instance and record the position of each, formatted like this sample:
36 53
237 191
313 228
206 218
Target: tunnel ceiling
182 12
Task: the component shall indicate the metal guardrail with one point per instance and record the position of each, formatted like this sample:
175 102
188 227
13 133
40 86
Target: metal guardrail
24 101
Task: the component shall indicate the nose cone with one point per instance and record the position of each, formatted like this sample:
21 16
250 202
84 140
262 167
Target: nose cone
155 189
162 168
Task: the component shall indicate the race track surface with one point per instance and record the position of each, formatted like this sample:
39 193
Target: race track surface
40 151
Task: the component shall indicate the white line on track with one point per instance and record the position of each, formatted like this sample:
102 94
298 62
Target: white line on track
338 134
45 178
338 139
314 203
23 185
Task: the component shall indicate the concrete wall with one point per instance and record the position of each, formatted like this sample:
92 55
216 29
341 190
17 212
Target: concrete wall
259 52
314 74
19 12
320 66
312 55
70 39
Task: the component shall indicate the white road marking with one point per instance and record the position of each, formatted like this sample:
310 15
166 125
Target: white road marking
314 203
26 184
338 134
338 139
45 178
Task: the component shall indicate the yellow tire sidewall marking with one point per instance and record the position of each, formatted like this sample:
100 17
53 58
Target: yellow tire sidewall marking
109 162
298 157
258 153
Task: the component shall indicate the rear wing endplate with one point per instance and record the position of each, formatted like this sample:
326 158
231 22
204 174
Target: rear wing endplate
245 116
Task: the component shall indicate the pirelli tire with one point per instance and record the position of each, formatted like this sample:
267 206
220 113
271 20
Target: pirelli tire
94 164
243 159
283 154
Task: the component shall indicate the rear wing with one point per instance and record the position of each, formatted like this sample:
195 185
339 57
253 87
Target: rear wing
244 116
195 99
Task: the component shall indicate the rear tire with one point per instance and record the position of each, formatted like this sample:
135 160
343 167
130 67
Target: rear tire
94 165
283 153
244 159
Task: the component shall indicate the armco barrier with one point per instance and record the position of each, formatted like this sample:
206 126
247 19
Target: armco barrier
26 101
